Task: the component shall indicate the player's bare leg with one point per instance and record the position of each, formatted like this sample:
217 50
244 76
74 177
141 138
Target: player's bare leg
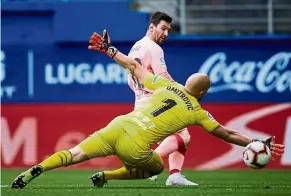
58 159
175 145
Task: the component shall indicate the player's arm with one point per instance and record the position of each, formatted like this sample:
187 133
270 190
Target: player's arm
206 121
132 66
103 44
231 136
234 137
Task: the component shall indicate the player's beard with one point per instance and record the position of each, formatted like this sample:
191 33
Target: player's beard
162 40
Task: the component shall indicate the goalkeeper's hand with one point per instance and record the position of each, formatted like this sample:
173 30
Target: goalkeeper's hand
276 149
102 44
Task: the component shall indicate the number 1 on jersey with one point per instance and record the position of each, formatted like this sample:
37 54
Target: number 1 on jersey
169 104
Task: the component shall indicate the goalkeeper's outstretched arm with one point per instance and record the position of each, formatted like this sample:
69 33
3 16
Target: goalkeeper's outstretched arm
231 136
234 137
132 66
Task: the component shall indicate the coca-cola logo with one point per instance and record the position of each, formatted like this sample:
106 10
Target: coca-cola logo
274 74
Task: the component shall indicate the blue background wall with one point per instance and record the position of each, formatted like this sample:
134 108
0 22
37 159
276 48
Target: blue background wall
44 56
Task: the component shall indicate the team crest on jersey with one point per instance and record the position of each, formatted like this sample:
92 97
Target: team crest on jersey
210 117
155 79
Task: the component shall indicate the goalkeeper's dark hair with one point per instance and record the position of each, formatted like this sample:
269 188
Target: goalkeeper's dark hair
158 16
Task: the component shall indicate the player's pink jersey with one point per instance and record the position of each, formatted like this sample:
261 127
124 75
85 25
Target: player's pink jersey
151 56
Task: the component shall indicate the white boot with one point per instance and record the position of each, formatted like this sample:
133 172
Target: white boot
177 179
153 178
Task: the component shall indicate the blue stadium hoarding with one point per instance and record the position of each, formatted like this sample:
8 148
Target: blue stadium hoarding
36 66
240 70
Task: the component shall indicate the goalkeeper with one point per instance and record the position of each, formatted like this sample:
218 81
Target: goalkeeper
171 108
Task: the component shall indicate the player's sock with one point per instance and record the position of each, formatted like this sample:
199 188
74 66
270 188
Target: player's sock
172 171
59 159
176 159
124 174
167 146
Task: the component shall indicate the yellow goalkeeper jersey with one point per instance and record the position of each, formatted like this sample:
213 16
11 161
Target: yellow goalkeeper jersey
168 110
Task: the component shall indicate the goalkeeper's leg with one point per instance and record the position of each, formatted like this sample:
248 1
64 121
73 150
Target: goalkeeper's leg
91 147
59 159
153 166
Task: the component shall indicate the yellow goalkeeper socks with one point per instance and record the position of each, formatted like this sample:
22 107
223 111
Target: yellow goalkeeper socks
59 159
124 174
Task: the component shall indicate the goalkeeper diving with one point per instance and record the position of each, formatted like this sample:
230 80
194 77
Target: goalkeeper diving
171 108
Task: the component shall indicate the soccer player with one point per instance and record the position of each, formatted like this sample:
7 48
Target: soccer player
170 108
151 56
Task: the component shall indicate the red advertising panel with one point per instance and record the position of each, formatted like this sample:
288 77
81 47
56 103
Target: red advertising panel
29 133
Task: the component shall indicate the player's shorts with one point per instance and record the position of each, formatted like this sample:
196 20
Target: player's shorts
133 151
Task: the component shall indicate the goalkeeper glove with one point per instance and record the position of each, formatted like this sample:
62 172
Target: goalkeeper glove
102 44
276 149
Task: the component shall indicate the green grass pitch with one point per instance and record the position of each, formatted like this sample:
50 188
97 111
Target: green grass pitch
223 182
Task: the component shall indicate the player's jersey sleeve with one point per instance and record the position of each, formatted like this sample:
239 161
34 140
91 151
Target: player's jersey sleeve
154 82
206 120
158 63
140 53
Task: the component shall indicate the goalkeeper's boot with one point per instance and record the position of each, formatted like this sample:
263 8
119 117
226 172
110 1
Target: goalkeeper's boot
177 179
98 179
24 178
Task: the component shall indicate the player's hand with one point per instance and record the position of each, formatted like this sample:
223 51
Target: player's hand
102 44
276 149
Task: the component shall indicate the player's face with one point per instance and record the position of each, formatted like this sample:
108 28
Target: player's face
162 31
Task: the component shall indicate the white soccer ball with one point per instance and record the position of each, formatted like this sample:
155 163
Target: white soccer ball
256 155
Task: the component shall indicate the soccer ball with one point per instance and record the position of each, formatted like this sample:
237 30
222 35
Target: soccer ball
256 155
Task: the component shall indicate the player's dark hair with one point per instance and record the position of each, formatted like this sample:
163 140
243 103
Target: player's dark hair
158 16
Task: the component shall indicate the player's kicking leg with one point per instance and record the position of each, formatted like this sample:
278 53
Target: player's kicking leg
59 159
175 145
